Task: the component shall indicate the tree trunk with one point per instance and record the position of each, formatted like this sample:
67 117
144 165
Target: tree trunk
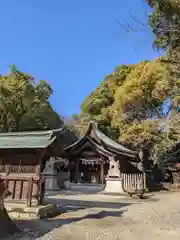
8 227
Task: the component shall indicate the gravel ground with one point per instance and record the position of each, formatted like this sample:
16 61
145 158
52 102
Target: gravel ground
96 216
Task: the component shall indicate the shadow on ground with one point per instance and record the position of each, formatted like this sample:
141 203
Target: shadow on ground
38 228
87 204
95 210
79 189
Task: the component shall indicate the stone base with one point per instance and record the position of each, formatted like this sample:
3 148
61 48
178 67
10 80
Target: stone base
114 185
20 211
51 184
67 185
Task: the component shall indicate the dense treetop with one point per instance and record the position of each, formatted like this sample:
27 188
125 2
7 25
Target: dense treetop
25 105
126 101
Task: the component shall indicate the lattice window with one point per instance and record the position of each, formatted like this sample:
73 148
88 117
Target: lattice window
27 169
22 163
22 169
13 168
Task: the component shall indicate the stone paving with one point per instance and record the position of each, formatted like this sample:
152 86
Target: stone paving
104 217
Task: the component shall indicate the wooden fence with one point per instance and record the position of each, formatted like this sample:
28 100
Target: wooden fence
132 181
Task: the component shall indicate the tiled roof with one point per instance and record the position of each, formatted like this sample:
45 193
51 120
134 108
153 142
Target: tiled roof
39 139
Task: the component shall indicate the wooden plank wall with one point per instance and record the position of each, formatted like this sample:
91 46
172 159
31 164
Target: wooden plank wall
23 190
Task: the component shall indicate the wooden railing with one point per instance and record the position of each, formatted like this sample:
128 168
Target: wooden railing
18 169
132 181
22 169
2 168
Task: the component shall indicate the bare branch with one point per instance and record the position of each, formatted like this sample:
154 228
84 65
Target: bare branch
122 26
137 20
128 25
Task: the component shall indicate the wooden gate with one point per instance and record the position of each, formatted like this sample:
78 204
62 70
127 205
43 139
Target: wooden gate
132 181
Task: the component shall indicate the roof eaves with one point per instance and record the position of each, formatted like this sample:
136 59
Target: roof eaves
30 140
33 133
55 132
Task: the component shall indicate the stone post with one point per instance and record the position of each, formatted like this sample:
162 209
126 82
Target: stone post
50 176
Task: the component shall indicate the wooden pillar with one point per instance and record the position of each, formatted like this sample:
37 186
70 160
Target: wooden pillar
29 193
144 180
7 169
120 167
77 170
102 171
39 169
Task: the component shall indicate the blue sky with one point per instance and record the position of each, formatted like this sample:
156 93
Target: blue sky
72 44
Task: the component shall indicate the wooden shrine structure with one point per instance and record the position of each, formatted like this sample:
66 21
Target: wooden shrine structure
23 156
97 158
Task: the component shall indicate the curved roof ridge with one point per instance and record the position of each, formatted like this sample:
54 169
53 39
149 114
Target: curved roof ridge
108 141
81 139
113 146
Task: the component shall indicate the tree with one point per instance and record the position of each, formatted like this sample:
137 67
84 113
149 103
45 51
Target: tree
165 23
98 104
128 104
24 105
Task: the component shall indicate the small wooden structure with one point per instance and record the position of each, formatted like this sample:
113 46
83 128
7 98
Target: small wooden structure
23 156
91 156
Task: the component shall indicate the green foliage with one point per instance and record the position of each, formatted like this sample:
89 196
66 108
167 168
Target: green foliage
80 122
103 95
94 104
165 23
128 104
144 89
24 105
125 100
